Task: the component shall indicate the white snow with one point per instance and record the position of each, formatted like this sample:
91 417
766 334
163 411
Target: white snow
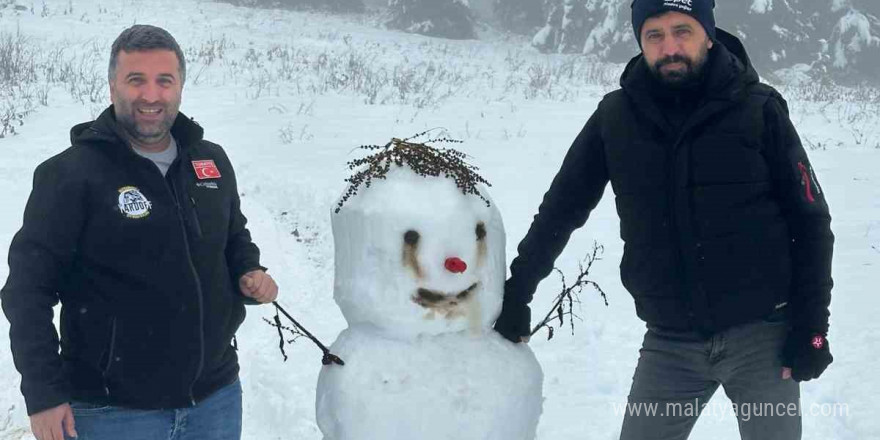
761 6
289 129
443 387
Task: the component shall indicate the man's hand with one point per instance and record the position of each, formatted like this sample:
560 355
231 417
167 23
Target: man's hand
513 323
806 355
51 424
258 285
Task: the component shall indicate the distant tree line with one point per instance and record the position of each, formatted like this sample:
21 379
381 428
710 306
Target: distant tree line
839 38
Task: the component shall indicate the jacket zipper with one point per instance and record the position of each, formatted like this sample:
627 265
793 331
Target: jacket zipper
685 273
199 293
196 224
690 282
169 185
110 355
673 217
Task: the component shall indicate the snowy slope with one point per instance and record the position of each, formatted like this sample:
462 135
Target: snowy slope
290 95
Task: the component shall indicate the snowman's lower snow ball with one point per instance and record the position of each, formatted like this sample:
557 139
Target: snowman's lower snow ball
420 269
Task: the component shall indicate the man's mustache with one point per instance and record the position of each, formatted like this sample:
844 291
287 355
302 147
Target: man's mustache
673 59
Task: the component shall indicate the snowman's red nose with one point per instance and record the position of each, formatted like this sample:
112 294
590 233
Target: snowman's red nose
455 265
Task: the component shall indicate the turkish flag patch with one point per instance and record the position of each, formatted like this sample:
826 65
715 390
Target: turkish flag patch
206 169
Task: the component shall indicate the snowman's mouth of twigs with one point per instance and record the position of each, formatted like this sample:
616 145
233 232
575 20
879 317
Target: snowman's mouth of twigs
432 299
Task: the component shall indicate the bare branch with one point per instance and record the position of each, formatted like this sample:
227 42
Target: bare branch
299 331
564 304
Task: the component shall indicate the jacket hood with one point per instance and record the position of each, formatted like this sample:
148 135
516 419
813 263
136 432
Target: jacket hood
728 71
105 130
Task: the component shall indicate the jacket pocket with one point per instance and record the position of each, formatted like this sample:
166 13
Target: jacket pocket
111 352
85 409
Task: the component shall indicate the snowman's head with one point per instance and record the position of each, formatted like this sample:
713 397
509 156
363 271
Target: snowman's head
414 255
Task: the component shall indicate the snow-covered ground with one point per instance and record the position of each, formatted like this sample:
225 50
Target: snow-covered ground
291 95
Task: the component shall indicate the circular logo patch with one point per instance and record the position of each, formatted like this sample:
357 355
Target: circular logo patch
132 202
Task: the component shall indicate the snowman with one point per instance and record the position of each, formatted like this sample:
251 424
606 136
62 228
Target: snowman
419 277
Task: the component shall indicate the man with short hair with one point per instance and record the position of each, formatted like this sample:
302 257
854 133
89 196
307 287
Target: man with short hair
727 239
137 230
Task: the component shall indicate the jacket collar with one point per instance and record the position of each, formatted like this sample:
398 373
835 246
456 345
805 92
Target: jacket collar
106 130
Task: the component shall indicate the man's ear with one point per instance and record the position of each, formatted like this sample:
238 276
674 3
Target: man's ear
112 87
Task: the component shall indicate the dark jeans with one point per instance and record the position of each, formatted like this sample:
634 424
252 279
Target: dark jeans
678 372
216 418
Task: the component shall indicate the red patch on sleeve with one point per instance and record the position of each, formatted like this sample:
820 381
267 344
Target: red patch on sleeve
807 182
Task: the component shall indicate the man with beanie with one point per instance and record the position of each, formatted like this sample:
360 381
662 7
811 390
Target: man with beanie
137 230
727 239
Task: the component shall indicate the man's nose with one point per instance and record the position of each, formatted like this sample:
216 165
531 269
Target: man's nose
670 47
150 92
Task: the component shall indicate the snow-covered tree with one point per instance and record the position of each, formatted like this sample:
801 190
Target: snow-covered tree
324 5
854 47
520 16
839 37
589 26
547 39
436 18
572 30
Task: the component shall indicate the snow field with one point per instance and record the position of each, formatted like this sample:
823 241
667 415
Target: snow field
517 112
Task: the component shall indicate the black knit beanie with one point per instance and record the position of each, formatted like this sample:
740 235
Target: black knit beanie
701 10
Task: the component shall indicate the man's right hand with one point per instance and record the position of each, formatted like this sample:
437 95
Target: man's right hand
51 424
514 321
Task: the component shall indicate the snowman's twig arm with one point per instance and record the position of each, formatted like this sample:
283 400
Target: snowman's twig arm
569 294
328 357
553 310
280 335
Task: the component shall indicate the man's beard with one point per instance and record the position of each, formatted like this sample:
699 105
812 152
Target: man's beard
690 77
142 133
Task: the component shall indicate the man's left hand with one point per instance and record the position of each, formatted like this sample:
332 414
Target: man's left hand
258 285
806 355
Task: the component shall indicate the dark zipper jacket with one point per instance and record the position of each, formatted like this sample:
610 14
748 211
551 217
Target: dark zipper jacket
145 267
722 218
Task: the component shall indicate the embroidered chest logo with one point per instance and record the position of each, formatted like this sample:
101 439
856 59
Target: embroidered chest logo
206 169
133 203
818 342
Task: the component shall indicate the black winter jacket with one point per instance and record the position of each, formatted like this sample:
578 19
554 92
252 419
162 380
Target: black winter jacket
722 218
145 267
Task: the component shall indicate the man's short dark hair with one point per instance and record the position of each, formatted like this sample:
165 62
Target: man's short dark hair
142 37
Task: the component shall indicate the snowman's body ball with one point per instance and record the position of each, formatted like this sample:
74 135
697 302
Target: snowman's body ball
445 387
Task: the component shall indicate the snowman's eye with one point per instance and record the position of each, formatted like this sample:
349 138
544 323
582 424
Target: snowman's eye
411 237
481 231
